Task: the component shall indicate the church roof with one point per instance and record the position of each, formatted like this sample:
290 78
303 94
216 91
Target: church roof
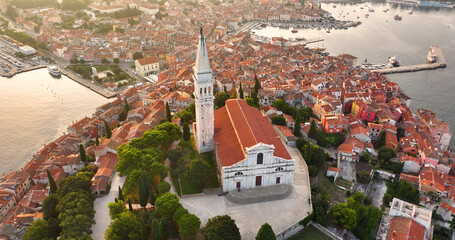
202 58
239 126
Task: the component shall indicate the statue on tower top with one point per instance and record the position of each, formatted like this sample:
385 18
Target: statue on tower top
202 31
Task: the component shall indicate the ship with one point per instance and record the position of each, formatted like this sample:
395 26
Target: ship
53 71
398 18
431 57
393 62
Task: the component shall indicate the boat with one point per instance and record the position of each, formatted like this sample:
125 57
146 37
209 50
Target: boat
370 10
334 6
431 57
385 10
328 31
393 62
409 11
366 15
294 30
53 70
398 18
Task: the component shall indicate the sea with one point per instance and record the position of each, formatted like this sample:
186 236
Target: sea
379 36
36 108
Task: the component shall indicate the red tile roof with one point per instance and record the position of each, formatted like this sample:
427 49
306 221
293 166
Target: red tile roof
405 228
238 126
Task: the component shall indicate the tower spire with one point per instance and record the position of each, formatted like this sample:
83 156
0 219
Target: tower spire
202 59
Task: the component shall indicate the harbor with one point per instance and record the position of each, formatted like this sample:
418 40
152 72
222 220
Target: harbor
440 63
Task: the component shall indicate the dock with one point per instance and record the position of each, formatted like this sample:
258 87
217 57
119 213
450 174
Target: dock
20 70
440 63
308 41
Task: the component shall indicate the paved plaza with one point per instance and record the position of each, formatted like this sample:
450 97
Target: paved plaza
280 214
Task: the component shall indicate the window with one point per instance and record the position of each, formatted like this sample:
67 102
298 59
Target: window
238 173
278 180
260 158
279 169
205 90
200 91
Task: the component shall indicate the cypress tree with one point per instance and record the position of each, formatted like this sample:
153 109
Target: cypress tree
143 229
381 141
52 185
186 132
168 113
152 197
156 233
97 141
266 233
297 127
120 194
224 88
82 154
313 130
143 190
130 206
241 91
108 130
257 84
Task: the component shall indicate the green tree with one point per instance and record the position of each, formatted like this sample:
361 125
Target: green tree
241 91
75 183
163 187
152 197
257 84
321 205
221 228
52 185
344 216
156 233
266 233
168 113
198 172
179 212
366 229
186 132
254 96
108 130
137 55
120 194
364 177
116 60
279 120
39 230
143 229
381 141
49 206
174 155
82 154
297 126
130 206
166 204
220 99
116 208
313 130
188 225
126 226
144 188
173 131
104 61
97 141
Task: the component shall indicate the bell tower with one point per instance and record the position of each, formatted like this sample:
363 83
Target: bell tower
203 93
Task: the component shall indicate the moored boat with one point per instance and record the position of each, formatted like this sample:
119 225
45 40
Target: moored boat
53 71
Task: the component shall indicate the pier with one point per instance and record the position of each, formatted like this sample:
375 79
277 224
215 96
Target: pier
440 63
308 41
87 83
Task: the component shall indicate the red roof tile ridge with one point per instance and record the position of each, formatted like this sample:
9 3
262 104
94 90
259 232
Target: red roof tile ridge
235 129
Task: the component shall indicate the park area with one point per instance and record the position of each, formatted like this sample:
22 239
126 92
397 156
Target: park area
310 232
105 73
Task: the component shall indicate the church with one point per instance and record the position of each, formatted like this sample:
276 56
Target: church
249 153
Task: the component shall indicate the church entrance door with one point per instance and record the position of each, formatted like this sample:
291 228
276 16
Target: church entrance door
238 185
258 180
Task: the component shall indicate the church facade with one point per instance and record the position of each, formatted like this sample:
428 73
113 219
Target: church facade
248 151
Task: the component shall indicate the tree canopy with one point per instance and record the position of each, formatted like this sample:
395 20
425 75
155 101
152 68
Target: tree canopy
126 226
188 225
198 172
344 216
166 204
221 227
266 233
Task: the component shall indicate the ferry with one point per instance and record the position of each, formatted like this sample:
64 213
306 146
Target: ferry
431 57
393 62
398 18
53 70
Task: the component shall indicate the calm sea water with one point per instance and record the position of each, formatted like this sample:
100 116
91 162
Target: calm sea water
35 109
380 36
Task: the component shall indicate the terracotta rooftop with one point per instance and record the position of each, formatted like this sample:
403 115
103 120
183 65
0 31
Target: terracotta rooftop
238 126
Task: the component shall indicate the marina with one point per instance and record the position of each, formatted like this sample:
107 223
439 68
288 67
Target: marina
440 63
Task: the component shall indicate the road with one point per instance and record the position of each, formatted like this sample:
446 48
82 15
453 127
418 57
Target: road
102 217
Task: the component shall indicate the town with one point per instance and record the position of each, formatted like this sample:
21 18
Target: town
215 132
